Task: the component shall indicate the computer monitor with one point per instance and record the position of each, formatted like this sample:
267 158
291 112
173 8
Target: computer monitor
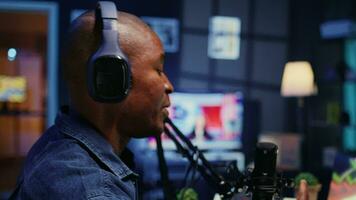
209 120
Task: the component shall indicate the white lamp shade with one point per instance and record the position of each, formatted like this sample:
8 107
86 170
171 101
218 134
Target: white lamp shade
298 80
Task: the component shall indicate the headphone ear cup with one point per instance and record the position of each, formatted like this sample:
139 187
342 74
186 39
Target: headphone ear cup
109 79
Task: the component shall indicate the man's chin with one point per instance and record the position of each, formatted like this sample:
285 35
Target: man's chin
152 133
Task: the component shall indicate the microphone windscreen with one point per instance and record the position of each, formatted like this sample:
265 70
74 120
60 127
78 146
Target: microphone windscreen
265 159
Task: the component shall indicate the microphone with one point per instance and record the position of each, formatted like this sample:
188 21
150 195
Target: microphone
264 176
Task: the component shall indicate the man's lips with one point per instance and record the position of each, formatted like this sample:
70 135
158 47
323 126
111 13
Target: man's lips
165 111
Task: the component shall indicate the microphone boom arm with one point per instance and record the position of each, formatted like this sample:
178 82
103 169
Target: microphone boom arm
188 150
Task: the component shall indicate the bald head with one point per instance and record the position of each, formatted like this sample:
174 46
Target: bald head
84 39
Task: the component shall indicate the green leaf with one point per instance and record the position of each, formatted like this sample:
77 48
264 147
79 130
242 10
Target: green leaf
336 178
309 177
353 163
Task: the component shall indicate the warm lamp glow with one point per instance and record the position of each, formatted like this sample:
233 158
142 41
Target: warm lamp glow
298 80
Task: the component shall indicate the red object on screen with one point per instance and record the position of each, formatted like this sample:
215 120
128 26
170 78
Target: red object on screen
212 116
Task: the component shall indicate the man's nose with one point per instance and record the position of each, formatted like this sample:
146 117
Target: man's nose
168 87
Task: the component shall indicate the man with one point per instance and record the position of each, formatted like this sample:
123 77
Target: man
77 158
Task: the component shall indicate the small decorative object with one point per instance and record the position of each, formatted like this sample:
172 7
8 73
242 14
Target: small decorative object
314 185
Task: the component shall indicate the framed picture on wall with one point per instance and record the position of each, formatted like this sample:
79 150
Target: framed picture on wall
224 37
167 30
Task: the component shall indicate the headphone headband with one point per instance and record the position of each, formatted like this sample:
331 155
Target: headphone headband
106 15
107 10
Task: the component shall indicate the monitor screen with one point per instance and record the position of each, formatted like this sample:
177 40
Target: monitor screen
209 120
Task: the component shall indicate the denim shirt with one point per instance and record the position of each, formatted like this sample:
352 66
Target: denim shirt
71 160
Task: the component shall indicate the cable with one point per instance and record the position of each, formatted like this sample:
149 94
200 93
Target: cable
168 191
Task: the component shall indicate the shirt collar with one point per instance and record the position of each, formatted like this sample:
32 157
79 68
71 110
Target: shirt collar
78 128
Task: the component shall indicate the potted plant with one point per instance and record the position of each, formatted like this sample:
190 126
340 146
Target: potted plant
187 194
314 185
